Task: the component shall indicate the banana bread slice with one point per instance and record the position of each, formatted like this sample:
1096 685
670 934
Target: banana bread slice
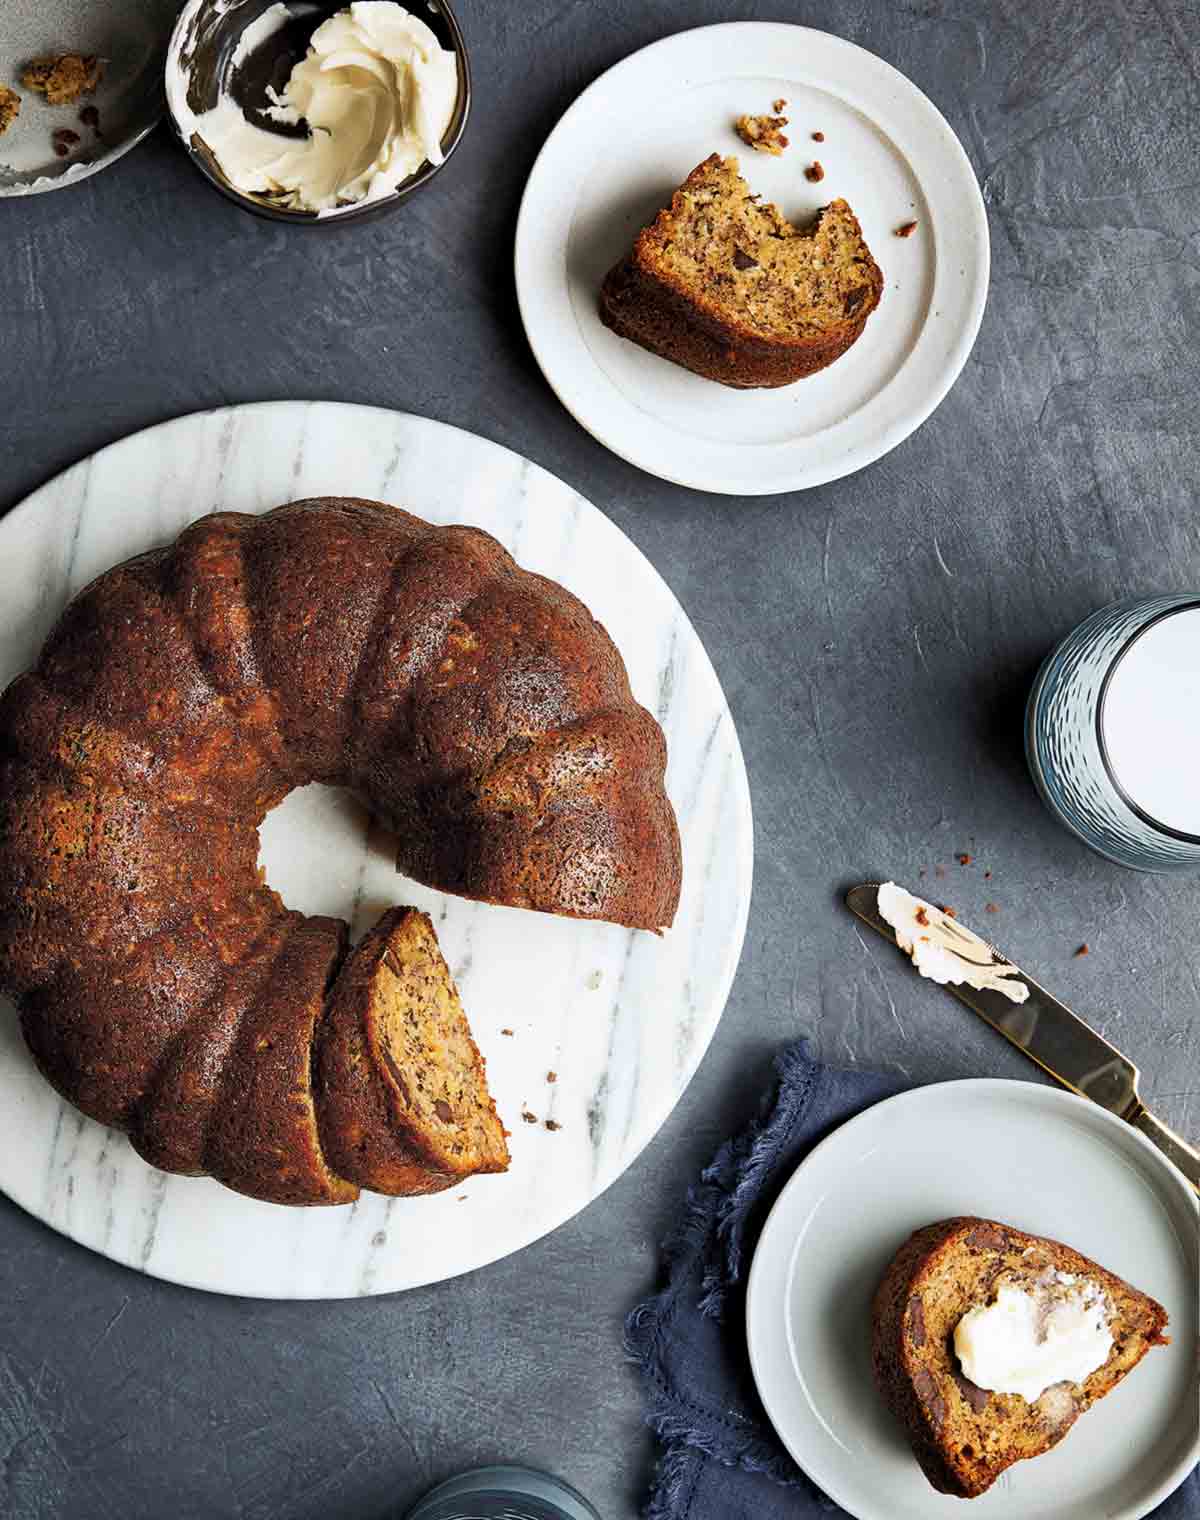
403 1099
730 289
263 1139
962 1435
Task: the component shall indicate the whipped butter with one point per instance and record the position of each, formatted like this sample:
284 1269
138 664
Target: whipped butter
942 949
1053 1330
376 92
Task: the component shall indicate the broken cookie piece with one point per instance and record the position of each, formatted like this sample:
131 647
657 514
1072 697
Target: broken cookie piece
62 79
762 133
10 108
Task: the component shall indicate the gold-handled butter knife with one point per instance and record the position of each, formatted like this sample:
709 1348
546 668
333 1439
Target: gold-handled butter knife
1050 1034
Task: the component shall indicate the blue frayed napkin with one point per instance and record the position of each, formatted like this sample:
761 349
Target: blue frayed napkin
721 1460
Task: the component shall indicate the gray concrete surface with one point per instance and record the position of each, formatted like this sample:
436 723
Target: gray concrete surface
876 639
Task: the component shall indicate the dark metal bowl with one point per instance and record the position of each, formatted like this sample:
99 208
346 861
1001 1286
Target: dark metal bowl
205 39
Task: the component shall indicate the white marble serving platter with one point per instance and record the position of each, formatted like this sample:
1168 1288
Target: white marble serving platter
621 1017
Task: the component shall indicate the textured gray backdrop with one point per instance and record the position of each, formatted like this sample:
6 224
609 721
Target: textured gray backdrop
876 639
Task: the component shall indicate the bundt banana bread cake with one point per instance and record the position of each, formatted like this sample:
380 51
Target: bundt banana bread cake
477 708
727 287
1053 1315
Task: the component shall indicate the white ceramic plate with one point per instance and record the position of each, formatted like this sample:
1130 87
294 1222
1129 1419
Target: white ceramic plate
621 1017
628 141
1031 1156
131 36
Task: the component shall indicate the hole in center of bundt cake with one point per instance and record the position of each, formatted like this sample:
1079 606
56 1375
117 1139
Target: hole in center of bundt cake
313 849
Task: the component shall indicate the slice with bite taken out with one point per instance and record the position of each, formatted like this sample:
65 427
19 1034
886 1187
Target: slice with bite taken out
729 288
403 1101
1056 1314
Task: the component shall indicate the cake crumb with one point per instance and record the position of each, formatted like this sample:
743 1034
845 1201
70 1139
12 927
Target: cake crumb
778 105
814 173
818 137
906 230
922 918
987 876
991 908
528 1117
949 912
462 1198
1084 949
552 1076
762 133
553 1126
64 139
507 1032
64 77
10 108
90 117
964 859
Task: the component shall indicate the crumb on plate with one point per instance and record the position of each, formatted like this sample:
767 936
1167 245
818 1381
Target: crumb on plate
507 1032
64 77
1084 949
528 1117
553 1125
778 105
814 172
762 133
906 229
818 137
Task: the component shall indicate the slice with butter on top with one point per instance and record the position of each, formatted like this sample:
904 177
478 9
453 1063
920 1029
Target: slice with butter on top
989 1343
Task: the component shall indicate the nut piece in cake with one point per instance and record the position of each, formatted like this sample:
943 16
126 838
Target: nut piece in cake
724 285
63 78
762 133
10 108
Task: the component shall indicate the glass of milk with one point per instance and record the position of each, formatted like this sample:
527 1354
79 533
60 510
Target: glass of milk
504 1493
1112 732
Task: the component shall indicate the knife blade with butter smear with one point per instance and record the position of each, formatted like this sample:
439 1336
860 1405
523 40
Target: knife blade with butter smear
1037 1023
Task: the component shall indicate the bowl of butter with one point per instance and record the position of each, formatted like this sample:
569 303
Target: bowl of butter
316 112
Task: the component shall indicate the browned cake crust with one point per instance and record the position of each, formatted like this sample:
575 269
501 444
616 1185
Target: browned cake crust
963 1436
477 708
377 1104
728 288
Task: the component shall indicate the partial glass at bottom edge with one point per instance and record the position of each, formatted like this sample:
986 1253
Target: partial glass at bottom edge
504 1493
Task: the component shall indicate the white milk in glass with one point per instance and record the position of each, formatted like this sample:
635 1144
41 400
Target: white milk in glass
1150 722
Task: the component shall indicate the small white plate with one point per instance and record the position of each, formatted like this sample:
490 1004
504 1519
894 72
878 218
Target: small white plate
628 141
1034 1157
